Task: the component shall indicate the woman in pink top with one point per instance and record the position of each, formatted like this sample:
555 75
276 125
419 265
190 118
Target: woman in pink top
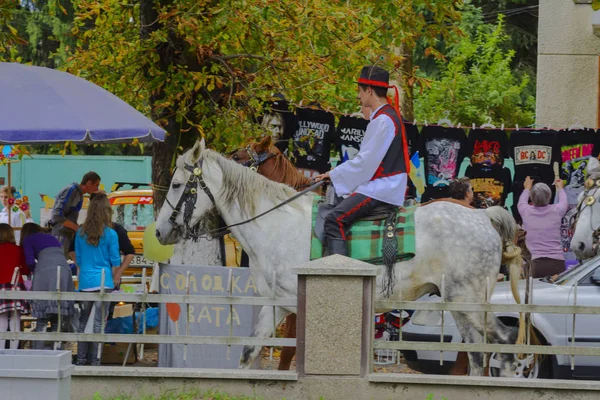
542 221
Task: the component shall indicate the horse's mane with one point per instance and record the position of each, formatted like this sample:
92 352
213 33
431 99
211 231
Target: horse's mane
244 185
289 174
594 174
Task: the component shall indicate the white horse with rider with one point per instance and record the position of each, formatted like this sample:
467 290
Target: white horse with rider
463 246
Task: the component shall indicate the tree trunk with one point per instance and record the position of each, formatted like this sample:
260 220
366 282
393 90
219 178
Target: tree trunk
202 252
407 104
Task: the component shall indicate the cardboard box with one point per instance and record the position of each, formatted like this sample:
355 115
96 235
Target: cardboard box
151 331
124 310
114 353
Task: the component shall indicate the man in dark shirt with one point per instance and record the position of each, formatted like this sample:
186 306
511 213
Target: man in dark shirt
67 204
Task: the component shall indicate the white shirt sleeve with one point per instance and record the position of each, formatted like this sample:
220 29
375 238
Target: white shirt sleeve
352 173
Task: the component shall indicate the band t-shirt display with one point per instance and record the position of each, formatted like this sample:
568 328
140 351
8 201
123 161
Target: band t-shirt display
487 147
490 185
443 150
534 153
315 132
350 133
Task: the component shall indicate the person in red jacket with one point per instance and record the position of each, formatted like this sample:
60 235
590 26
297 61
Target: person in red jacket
10 261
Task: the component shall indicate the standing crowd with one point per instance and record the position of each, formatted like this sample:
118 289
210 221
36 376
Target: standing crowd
40 256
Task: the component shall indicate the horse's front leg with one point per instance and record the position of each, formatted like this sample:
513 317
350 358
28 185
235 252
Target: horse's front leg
262 329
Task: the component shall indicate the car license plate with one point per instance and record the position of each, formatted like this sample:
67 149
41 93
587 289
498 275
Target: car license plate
139 260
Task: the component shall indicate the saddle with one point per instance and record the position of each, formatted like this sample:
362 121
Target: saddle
384 237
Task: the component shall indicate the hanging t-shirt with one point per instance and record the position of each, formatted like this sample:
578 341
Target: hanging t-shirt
534 154
487 147
350 134
280 122
490 185
443 150
576 147
314 134
412 141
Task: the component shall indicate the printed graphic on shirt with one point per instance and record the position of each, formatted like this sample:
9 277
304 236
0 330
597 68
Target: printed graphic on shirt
348 152
486 152
575 159
566 228
311 135
487 192
442 159
533 154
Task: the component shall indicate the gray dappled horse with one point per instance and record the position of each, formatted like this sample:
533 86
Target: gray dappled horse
586 236
465 245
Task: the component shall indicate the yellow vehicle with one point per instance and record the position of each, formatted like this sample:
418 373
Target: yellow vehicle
134 209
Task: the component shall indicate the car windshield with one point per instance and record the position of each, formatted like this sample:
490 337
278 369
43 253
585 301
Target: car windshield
133 217
576 270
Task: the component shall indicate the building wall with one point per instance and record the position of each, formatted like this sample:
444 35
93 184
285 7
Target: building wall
567 76
49 174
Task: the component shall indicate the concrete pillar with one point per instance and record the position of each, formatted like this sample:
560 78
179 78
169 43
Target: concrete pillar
335 316
567 75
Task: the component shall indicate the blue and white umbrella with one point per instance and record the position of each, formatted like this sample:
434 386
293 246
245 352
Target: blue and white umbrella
41 105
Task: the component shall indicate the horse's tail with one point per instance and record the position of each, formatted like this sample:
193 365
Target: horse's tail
506 227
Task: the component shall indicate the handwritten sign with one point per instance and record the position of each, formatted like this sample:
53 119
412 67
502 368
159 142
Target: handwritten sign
205 320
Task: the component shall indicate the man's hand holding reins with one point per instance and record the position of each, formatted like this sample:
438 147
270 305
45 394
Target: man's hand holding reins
322 177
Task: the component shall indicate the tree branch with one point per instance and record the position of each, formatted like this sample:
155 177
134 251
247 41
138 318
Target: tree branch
254 56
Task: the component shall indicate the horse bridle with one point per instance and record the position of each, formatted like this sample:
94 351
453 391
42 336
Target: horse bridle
190 195
256 159
587 201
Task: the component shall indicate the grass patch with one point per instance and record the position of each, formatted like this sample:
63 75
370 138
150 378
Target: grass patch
184 395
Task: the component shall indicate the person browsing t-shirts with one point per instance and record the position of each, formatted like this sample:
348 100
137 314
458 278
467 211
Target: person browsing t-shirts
377 175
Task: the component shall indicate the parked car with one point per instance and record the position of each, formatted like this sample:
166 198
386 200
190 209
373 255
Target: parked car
551 329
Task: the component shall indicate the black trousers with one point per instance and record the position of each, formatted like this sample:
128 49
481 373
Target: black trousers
353 207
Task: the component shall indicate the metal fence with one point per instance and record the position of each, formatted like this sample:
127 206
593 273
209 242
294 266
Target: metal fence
143 299
487 307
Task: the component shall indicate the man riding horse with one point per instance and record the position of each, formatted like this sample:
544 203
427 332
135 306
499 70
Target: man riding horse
377 175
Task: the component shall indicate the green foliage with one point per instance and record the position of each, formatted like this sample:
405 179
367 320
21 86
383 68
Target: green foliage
204 68
596 5
478 82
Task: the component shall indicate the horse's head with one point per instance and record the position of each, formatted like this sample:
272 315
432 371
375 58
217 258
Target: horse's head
256 154
587 226
266 159
188 199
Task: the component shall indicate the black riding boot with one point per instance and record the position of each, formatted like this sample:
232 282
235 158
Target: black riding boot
337 246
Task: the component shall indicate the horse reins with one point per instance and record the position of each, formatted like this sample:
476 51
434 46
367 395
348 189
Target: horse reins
190 195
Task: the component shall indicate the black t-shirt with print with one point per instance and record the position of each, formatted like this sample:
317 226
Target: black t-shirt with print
315 132
287 118
443 150
576 147
412 137
534 154
490 185
412 140
349 135
487 147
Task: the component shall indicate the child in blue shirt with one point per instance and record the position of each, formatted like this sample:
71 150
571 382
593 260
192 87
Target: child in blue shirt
97 250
